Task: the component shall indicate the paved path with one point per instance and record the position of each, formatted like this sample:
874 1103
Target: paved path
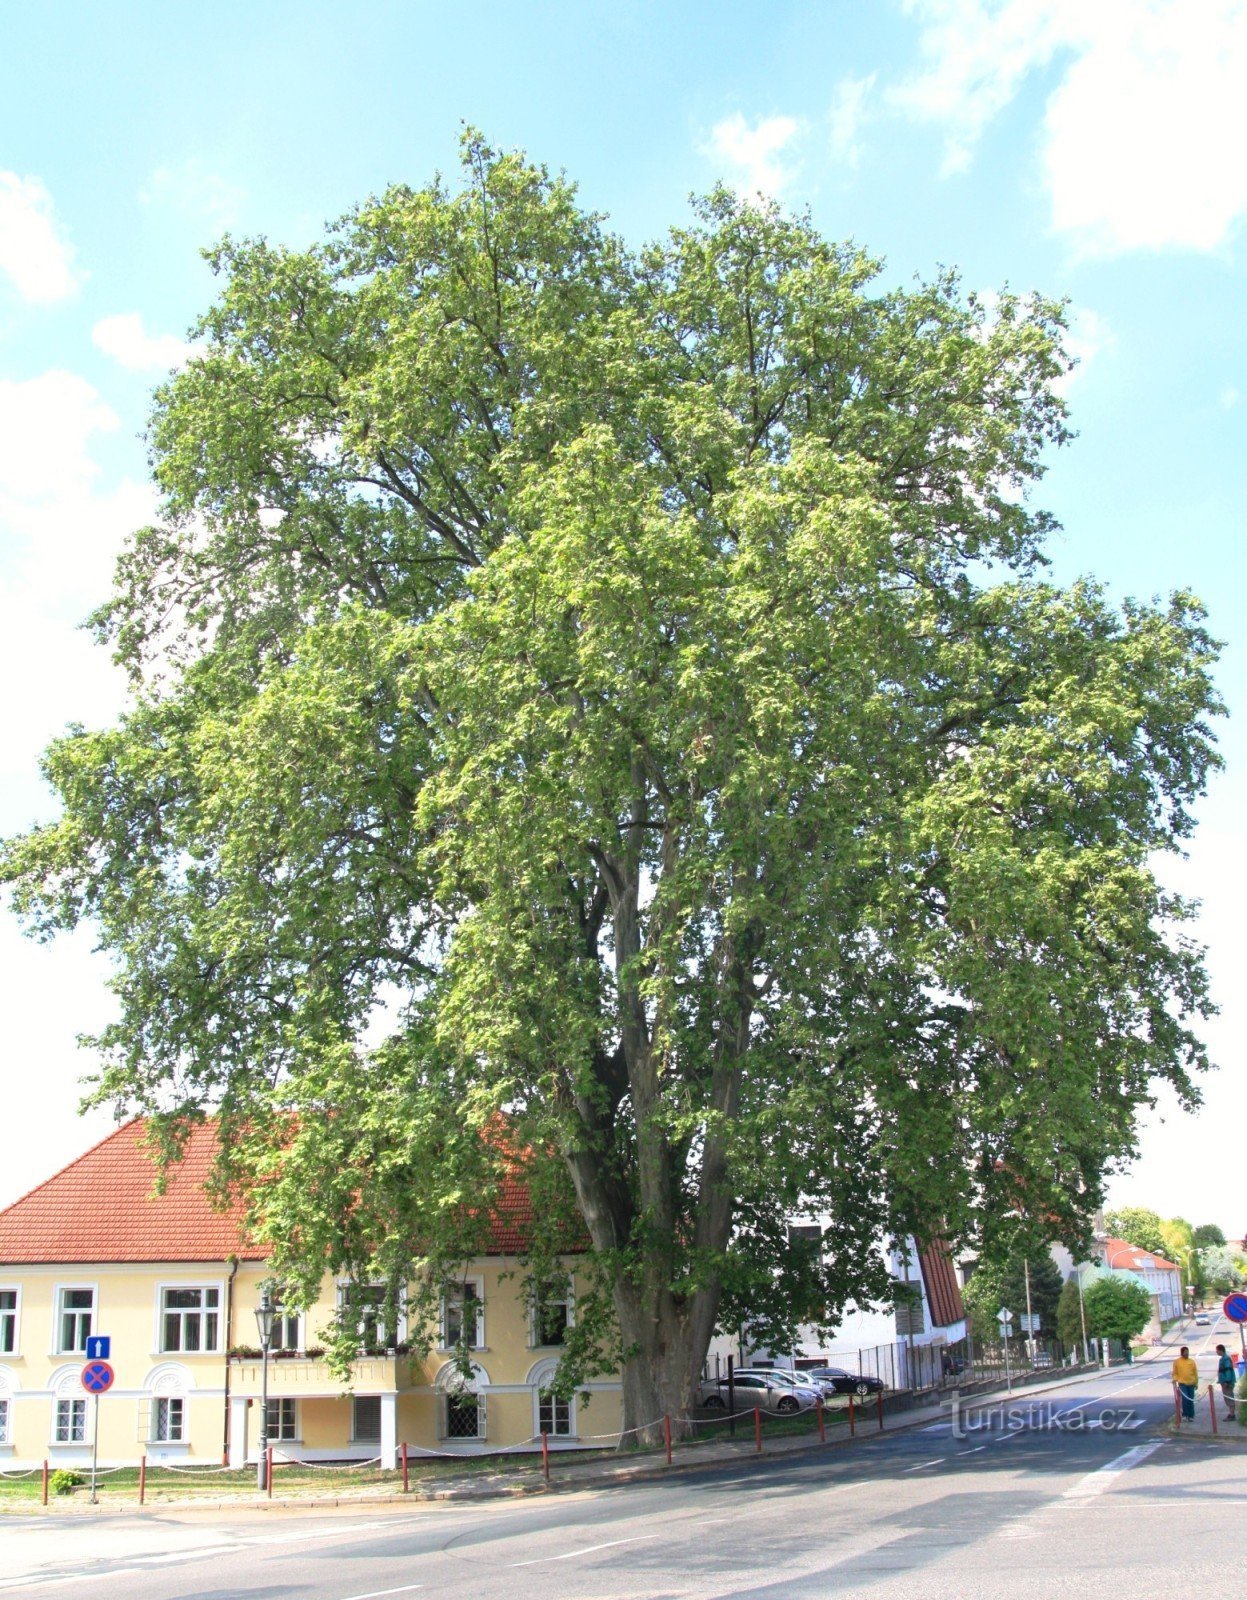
1050 1491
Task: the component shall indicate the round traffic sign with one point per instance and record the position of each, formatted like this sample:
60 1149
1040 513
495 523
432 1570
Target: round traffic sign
97 1376
1235 1307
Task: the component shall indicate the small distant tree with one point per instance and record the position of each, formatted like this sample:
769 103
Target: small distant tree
1117 1308
1208 1234
995 1286
1069 1314
1224 1270
1138 1226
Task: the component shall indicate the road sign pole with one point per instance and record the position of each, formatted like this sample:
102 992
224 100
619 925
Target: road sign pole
95 1451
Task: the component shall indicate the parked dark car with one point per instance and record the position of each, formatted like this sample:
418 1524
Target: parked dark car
843 1381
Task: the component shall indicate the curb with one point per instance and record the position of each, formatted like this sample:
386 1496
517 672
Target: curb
604 1477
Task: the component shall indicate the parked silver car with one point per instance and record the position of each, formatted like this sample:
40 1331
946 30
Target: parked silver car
761 1389
792 1380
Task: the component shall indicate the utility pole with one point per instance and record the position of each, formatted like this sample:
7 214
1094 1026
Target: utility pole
1030 1320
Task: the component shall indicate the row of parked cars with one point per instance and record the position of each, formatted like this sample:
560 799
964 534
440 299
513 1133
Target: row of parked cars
773 1389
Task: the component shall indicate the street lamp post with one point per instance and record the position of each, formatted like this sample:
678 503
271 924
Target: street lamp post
264 1314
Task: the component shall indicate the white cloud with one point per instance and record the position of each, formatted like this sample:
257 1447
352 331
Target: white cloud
125 339
34 253
1088 336
1229 397
752 152
1144 130
848 112
61 527
192 190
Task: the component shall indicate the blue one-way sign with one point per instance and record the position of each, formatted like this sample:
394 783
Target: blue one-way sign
99 1347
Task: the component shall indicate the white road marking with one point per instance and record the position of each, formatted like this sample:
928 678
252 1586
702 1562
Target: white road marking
375 1594
937 1462
79 1577
570 1555
189 1555
342 1530
973 1452
1102 1478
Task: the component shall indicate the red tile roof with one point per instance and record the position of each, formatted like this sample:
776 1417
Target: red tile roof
1121 1255
943 1293
101 1208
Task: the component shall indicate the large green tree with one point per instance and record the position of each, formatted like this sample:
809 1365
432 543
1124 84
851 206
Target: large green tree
619 691
1137 1225
1117 1308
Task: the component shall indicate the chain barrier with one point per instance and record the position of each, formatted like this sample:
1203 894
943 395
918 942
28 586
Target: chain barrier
26 1472
194 1471
280 1458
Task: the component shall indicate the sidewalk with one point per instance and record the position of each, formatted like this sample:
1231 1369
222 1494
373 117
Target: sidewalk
569 1472
1225 1429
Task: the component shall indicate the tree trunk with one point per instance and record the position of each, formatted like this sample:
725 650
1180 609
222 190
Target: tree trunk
665 1347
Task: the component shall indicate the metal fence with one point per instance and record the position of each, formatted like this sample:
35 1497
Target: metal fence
921 1368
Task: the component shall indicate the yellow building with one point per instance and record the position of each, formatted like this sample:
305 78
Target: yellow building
173 1286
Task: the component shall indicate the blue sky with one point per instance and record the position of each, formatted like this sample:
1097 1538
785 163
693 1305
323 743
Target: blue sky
1089 151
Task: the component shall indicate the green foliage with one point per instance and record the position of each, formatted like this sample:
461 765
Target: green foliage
1069 1314
1138 1226
1208 1233
994 1286
63 1481
1223 1269
1117 1308
626 683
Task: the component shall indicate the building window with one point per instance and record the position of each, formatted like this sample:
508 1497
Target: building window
552 1313
366 1419
71 1422
8 1321
465 1415
372 1313
169 1420
554 1416
74 1320
283 1420
190 1319
287 1330
4 1422
463 1317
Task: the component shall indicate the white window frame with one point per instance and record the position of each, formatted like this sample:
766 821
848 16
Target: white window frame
11 1318
174 1432
285 1430
4 1419
477 1286
70 1407
283 1319
554 1431
59 1347
482 1407
344 1289
567 1300
200 1284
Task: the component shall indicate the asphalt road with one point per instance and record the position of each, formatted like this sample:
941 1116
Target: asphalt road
1049 1494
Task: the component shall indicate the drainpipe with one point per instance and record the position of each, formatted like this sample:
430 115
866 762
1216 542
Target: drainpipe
229 1340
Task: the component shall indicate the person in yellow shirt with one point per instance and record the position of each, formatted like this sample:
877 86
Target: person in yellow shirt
1186 1375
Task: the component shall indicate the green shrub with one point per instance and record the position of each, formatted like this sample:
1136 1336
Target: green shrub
63 1481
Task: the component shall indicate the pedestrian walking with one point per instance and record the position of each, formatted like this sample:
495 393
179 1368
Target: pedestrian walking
1225 1377
1186 1375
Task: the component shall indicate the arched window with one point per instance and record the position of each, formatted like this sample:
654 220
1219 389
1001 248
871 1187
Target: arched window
462 1401
551 1414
